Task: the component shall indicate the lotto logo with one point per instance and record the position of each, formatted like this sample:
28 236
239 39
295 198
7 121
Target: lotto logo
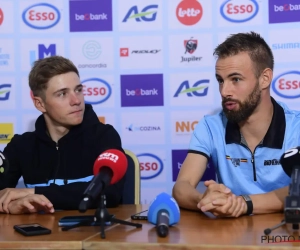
189 12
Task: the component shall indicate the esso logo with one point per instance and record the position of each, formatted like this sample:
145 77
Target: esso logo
287 85
189 12
239 11
95 90
41 16
150 166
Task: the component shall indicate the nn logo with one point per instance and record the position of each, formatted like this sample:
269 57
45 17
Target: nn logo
185 126
4 91
148 14
43 52
200 88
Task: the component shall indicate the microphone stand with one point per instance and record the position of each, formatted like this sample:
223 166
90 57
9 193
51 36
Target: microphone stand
102 216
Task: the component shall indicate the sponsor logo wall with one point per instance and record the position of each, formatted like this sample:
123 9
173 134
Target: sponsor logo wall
147 67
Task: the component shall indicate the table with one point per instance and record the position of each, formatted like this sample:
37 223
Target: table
199 231
194 231
58 239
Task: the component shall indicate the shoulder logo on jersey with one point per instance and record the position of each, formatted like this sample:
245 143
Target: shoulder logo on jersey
236 161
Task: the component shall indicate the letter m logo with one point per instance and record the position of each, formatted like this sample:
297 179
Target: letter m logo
46 52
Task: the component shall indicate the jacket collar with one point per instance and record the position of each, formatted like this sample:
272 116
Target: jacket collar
274 136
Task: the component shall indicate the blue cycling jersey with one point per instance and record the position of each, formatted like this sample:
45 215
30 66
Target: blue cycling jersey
236 166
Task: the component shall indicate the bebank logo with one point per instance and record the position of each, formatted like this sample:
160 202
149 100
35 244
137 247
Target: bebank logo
142 90
1 16
238 11
284 11
196 90
95 90
189 12
178 157
148 14
287 85
92 15
41 16
150 166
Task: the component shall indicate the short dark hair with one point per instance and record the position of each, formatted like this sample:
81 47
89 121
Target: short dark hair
252 43
44 69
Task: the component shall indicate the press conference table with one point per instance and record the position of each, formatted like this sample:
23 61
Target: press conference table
194 231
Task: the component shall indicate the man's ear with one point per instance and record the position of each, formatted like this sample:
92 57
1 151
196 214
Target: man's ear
38 103
266 78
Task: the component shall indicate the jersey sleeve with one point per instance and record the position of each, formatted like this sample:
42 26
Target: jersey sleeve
201 141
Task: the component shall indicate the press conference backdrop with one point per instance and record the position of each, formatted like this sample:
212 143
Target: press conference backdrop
146 66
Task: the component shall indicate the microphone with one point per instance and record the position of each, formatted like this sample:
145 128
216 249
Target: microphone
290 162
3 163
163 212
109 168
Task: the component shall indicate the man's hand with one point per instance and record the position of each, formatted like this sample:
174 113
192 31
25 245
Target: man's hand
30 204
213 192
235 206
220 202
10 194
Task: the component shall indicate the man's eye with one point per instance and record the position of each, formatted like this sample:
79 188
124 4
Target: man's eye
220 81
236 79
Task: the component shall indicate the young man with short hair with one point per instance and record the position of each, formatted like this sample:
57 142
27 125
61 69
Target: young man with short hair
56 160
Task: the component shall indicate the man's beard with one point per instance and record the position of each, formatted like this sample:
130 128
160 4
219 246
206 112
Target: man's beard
246 108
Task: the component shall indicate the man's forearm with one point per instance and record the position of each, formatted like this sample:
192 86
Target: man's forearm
271 202
186 195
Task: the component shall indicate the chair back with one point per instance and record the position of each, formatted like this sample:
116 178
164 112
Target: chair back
132 185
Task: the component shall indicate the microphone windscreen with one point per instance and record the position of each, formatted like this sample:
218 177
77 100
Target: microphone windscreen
290 159
3 163
114 159
167 202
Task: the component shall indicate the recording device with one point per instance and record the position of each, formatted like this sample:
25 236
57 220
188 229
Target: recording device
290 162
32 229
109 168
163 212
3 163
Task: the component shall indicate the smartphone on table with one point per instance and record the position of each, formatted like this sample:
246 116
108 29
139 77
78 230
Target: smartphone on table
72 220
32 229
140 216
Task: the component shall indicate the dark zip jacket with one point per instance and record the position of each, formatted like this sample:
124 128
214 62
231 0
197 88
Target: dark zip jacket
62 171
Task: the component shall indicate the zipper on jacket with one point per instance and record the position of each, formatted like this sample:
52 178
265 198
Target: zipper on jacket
252 160
58 163
253 165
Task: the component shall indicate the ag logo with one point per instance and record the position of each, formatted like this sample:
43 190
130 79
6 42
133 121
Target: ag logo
184 88
147 14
